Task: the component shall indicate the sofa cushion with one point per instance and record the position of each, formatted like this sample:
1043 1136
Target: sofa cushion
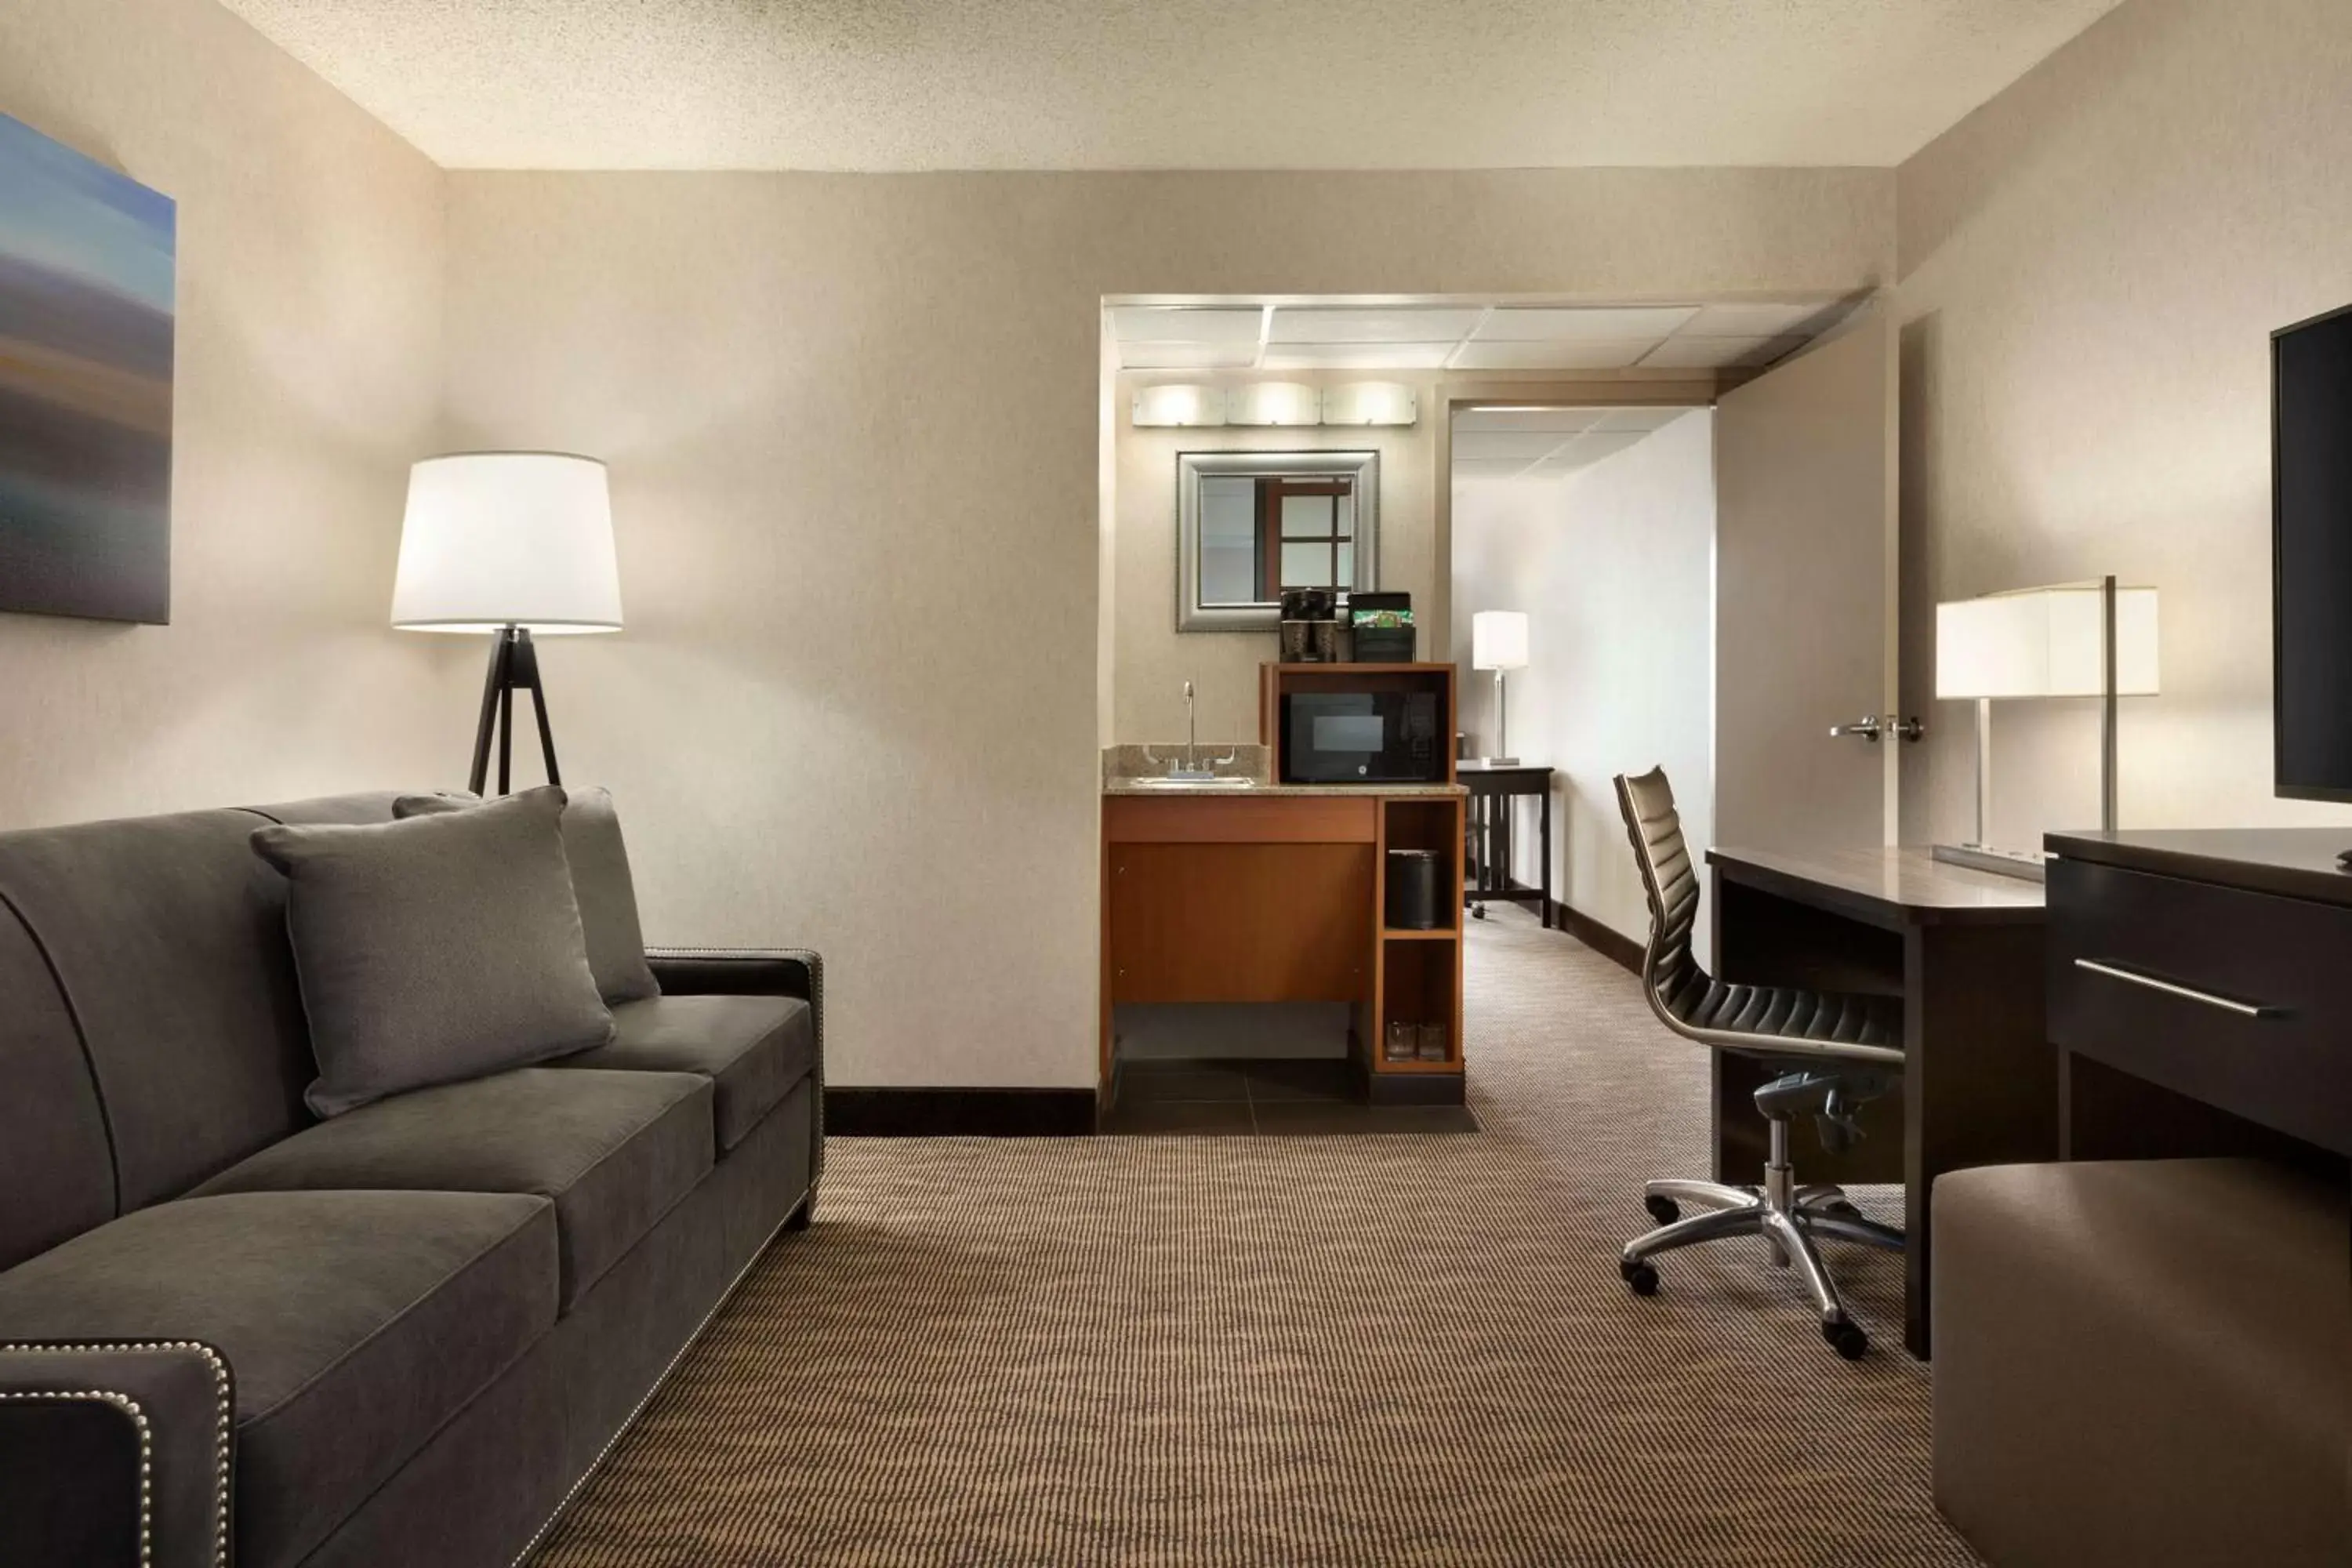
601 883
614 1150
753 1048
435 948
356 1323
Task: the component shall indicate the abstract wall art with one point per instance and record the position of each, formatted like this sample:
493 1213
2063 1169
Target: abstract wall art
85 346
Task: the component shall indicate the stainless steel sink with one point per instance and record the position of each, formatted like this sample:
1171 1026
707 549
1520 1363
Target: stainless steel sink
1221 782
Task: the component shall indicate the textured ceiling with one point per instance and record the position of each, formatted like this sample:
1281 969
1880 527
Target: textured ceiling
1167 84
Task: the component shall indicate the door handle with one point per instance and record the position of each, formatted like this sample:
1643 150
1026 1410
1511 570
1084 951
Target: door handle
1870 727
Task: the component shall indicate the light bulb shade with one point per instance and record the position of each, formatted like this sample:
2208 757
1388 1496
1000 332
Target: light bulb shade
1371 403
2043 642
1274 402
508 539
1498 639
1179 406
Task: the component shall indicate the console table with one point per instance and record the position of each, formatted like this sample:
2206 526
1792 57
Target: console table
1487 835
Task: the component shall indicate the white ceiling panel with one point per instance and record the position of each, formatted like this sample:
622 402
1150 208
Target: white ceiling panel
1706 354
1405 325
1491 421
1638 418
1356 356
1552 356
1170 324
1521 324
1765 321
1187 357
1526 447
1487 469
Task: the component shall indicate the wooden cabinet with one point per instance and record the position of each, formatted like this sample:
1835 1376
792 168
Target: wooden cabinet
1240 922
1278 897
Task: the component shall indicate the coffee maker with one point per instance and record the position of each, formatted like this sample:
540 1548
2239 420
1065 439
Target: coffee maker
1310 626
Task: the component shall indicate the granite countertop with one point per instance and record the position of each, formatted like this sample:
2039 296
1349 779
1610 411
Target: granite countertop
1125 768
1292 792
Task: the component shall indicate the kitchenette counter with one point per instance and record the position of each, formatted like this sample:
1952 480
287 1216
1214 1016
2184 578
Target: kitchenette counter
1129 786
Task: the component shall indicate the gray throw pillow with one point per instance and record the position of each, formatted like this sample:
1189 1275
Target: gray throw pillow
443 948
607 894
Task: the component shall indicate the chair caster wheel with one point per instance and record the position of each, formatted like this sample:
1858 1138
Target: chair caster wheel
1842 1209
1847 1339
1478 911
1638 1274
1665 1210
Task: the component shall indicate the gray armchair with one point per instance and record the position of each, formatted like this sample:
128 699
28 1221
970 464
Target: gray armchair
1830 1053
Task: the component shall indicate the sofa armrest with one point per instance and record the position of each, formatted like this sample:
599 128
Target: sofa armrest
741 971
756 972
119 1452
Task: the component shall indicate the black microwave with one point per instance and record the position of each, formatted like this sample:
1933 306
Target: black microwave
1362 737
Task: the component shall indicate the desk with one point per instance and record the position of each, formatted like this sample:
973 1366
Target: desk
1488 841
1964 951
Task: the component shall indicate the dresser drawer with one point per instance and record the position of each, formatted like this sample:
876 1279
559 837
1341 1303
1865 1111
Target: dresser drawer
2241 999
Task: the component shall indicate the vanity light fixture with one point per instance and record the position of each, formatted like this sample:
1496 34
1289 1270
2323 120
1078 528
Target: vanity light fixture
1179 406
1274 402
1371 403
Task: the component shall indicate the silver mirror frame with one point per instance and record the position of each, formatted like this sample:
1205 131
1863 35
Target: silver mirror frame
1364 467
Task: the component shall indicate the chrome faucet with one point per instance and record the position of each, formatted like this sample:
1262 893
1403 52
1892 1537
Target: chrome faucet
1193 772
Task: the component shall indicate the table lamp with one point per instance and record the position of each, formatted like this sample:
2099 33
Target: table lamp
2087 639
1499 641
508 543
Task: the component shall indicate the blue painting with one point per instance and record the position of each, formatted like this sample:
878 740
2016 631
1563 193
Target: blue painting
86 338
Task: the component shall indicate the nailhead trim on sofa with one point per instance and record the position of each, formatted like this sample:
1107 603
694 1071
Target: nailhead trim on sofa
224 1425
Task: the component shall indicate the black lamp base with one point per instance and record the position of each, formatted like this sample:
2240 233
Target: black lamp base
514 667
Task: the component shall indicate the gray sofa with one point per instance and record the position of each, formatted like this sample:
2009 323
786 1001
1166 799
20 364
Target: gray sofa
231 1333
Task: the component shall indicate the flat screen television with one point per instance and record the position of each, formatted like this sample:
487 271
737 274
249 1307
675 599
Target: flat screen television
2311 557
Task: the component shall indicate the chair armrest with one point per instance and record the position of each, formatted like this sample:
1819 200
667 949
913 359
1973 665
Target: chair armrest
120 1452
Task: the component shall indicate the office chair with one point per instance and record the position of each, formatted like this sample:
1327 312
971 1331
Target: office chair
1829 1055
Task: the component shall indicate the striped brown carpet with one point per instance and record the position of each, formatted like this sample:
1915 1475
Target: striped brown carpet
1369 1349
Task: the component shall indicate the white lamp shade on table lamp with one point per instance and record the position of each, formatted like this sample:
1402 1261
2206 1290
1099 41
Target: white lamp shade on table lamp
493 540
1498 639
2043 642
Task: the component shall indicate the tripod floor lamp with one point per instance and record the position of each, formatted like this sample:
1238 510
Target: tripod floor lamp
508 543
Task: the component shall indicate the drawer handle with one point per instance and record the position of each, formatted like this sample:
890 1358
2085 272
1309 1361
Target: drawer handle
2227 1005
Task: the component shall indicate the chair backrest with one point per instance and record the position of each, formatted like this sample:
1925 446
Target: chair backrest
1669 968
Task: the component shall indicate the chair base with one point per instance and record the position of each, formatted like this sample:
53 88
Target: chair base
1788 1217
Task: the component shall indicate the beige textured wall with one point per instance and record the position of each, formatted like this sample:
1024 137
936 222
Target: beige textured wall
2092 265
310 320
853 424
1152 658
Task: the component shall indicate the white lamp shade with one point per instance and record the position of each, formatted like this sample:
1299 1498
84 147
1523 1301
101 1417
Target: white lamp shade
2043 642
1179 406
508 539
1498 639
1274 402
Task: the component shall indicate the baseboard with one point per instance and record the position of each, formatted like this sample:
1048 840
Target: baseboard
958 1112
1618 948
1413 1088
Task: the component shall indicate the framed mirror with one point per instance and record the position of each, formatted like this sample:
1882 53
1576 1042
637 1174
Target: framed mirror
1250 524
